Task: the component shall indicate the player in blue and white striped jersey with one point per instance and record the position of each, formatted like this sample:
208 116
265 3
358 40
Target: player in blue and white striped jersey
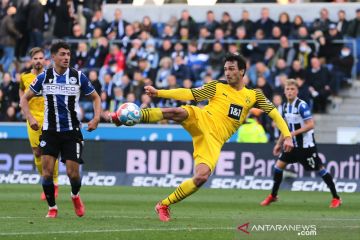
298 115
61 87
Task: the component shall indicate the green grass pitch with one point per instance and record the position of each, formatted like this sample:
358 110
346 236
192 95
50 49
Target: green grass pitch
128 213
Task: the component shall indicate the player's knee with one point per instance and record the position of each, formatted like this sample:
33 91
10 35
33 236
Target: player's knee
47 174
37 152
199 180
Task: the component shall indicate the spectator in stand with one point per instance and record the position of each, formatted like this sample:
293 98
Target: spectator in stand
257 50
280 84
117 99
304 54
247 24
137 84
332 49
97 54
146 25
354 26
256 70
35 24
265 87
342 24
297 23
77 34
168 33
297 69
10 93
93 77
302 34
128 38
125 84
163 72
180 70
281 68
276 35
178 51
216 60
145 69
184 36
285 51
303 88
204 46
318 79
147 102
210 23
166 49
79 56
341 69
186 21
265 22
8 36
63 19
284 24
115 60
322 23
117 26
97 21
320 46
269 58
196 62
152 55
227 25
135 53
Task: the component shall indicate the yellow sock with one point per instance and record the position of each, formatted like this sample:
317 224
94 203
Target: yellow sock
151 115
185 189
38 164
56 172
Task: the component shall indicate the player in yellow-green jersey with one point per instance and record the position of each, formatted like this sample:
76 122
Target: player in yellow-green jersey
210 127
36 106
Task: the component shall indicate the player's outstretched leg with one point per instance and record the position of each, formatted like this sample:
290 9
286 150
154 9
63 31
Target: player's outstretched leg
72 170
185 189
56 178
278 175
336 201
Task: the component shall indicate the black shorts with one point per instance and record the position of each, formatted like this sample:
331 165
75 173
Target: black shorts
308 157
69 144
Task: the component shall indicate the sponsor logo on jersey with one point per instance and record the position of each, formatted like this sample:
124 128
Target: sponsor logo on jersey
42 143
72 80
61 89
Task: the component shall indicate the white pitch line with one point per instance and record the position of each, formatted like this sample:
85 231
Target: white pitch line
122 230
195 217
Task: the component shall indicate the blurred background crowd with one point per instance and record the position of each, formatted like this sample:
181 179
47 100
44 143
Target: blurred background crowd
120 57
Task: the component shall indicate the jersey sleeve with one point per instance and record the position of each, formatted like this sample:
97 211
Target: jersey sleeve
86 86
37 84
305 111
262 102
205 92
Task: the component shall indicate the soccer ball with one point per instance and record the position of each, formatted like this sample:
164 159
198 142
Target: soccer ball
129 114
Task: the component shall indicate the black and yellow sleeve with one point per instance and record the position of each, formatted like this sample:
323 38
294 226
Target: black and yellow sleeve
205 92
262 102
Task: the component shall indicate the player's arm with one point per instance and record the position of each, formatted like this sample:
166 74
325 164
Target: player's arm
24 104
183 94
88 89
263 103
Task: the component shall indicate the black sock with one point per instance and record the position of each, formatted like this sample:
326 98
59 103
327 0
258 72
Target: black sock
329 182
49 190
75 186
278 174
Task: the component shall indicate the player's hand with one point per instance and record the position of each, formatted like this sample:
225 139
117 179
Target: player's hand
92 125
151 91
33 123
288 144
277 150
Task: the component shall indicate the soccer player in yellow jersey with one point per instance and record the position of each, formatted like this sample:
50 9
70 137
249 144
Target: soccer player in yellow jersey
210 127
36 106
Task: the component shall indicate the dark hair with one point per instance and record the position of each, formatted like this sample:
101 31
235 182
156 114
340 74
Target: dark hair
36 50
56 46
241 62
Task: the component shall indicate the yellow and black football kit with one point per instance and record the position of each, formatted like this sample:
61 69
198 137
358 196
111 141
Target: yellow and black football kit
36 107
227 109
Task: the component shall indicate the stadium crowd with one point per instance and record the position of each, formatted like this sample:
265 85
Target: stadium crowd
120 57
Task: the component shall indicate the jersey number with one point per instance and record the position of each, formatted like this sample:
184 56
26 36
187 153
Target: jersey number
235 111
311 162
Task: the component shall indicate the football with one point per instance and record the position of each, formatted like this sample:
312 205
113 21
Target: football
129 114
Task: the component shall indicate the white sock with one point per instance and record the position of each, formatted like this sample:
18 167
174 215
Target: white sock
54 207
